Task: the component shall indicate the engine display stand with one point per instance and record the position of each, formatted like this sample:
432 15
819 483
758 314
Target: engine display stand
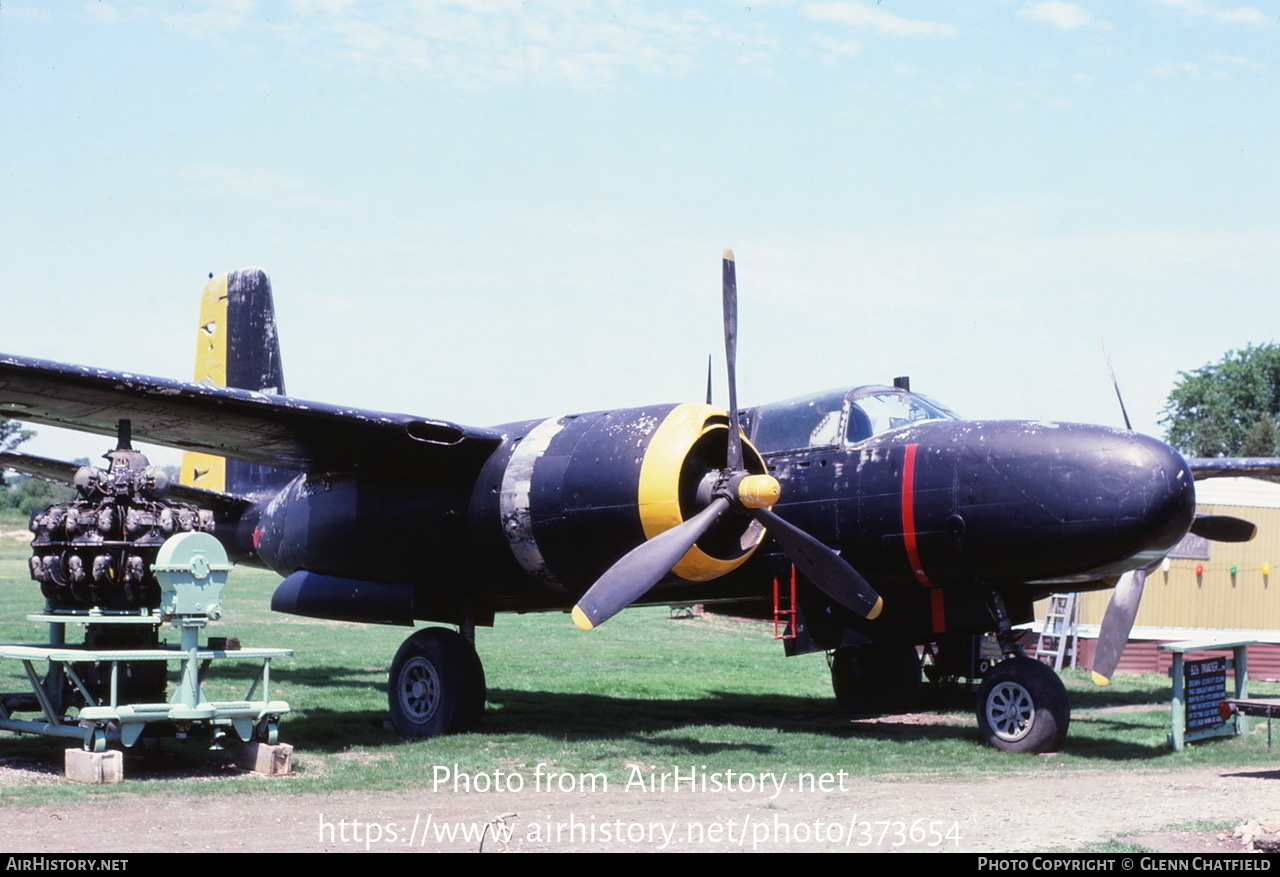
192 568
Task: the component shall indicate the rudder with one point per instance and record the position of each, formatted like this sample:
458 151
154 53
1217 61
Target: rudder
237 346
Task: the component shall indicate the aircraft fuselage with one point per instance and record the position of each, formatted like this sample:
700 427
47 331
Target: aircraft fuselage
934 514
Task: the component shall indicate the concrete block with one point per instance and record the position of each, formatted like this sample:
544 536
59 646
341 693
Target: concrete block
94 768
273 761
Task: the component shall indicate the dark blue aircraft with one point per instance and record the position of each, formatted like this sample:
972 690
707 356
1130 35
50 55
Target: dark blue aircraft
900 524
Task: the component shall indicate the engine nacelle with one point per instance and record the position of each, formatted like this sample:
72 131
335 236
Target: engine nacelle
576 493
557 504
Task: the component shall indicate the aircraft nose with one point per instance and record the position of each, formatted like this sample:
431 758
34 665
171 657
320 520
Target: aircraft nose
1090 500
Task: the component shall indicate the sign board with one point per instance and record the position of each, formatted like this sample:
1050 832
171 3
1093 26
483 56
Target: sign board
1206 687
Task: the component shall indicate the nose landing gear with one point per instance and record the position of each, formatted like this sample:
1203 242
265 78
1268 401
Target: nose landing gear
1023 707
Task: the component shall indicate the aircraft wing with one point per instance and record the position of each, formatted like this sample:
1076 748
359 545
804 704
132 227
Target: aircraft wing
256 427
1219 467
64 473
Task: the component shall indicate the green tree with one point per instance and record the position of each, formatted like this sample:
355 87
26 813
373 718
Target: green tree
12 434
27 493
1228 408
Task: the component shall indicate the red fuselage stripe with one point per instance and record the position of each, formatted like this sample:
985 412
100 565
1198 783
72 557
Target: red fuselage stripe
938 612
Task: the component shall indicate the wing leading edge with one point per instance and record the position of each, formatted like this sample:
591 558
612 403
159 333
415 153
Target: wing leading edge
274 430
1219 467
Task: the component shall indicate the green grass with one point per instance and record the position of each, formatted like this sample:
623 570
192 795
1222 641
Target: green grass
645 689
1117 847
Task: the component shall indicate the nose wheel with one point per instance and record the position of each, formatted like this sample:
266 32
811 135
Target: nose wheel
1023 707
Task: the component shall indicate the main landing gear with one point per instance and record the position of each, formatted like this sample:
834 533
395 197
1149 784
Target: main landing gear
436 684
876 678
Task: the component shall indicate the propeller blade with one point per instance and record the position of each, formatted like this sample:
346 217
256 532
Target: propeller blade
642 567
729 293
1223 528
831 573
1117 622
1115 383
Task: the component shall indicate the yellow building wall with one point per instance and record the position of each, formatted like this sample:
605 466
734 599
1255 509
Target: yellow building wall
1238 587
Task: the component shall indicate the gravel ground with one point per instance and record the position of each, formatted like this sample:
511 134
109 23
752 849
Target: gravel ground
1022 813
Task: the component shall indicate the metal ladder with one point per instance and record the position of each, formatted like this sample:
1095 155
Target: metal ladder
1060 635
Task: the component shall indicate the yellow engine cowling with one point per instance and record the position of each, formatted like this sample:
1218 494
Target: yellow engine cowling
580 491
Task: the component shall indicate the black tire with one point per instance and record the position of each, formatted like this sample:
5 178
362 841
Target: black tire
1023 707
876 678
436 685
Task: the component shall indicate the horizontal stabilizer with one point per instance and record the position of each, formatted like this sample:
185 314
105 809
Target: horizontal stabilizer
63 473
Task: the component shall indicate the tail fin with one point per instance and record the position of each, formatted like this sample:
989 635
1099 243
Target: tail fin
237 346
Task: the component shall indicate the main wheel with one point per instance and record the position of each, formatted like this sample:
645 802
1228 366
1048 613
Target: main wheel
1023 707
876 678
436 685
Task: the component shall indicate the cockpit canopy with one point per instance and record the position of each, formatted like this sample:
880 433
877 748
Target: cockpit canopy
838 417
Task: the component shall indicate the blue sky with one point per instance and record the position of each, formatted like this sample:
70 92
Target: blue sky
486 211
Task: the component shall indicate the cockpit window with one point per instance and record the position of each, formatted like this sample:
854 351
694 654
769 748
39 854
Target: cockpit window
826 419
877 411
810 421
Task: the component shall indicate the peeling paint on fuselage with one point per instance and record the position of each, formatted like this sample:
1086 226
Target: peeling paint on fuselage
996 503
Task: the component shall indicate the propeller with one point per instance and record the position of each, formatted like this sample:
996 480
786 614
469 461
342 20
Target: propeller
1116 383
735 488
1122 610
631 577
1223 528
1117 622
729 300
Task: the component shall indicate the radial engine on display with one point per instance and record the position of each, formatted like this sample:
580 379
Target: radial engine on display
96 551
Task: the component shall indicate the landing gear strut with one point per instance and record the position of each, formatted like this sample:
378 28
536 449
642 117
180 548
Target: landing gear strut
436 685
1022 704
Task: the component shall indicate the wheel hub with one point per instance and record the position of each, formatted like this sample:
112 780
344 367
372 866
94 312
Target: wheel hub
1010 711
420 693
